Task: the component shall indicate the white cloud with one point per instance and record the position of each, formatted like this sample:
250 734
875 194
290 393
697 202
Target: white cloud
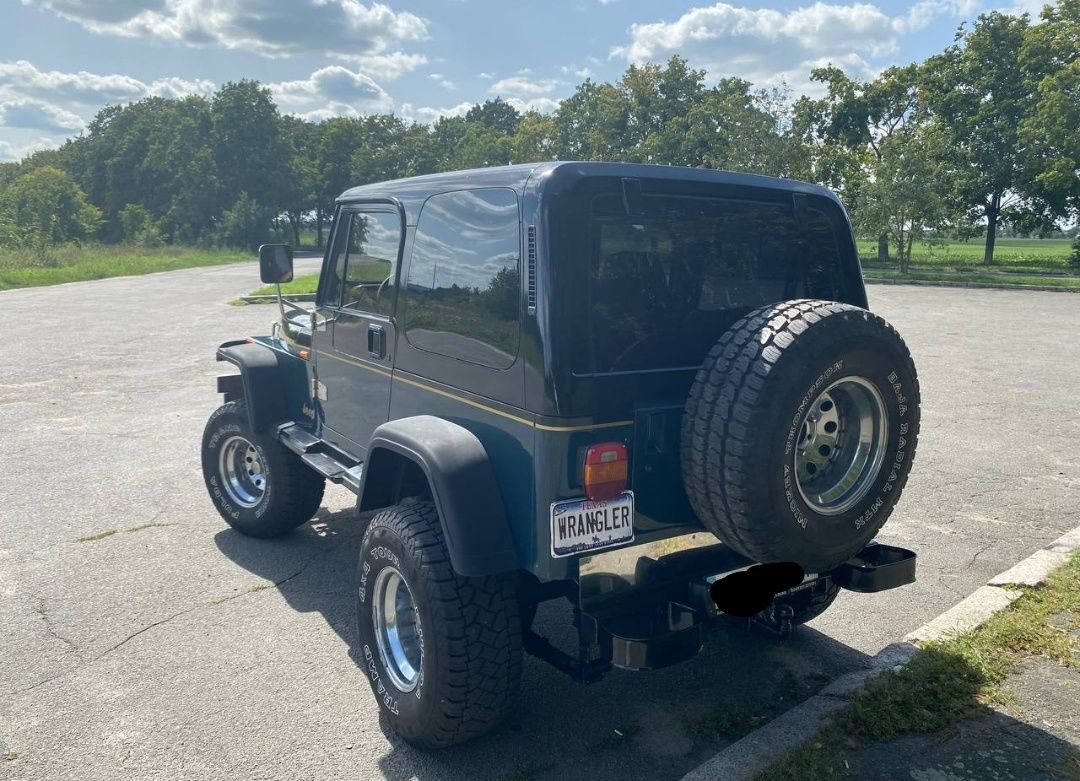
21 78
429 114
769 46
332 91
38 115
389 66
485 75
578 72
12 152
522 85
442 81
270 27
541 105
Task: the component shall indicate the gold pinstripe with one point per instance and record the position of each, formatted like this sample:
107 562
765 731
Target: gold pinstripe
476 404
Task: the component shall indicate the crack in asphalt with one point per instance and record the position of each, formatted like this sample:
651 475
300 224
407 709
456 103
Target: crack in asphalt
215 603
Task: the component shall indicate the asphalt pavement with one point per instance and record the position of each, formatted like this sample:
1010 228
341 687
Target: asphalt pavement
143 639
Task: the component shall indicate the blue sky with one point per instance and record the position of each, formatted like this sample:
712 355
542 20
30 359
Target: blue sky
62 60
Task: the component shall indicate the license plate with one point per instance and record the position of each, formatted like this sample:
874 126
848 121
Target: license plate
584 525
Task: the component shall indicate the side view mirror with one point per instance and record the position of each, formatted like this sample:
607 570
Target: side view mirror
275 264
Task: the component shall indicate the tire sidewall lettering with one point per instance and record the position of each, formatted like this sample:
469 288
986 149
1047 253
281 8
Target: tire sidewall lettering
375 556
893 385
217 491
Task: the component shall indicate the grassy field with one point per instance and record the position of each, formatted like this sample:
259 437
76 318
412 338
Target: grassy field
1015 278
946 681
1049 255
20 268
305 283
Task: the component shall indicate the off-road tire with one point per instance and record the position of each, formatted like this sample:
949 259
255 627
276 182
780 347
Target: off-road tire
740 422
469 630
293 491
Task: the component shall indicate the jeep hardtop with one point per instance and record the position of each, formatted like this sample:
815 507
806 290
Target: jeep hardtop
654 392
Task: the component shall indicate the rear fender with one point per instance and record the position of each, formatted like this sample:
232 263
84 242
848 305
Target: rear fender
462 484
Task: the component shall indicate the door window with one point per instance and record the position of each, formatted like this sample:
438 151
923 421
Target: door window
371 258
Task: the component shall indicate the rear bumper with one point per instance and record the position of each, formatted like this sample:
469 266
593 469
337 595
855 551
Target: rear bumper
654 615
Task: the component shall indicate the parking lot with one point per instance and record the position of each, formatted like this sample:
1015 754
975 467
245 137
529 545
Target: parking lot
144 639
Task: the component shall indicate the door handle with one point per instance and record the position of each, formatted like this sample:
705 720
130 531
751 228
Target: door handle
376 341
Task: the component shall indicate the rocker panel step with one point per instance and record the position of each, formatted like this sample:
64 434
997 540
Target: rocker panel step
327 466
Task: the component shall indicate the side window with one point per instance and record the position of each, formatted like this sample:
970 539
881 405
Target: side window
463 296
371 262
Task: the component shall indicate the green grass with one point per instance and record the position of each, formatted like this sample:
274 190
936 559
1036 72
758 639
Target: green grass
21 268
945 681
305 283
991 278
1009 254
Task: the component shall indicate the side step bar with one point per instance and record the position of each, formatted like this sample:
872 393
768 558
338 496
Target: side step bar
320 457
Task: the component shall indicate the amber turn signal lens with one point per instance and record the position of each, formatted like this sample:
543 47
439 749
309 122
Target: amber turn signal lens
605 473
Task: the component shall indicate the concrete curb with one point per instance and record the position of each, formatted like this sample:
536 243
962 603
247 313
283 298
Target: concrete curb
761 748
986 285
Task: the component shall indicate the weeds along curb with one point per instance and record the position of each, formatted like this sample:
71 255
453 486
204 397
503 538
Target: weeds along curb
761 748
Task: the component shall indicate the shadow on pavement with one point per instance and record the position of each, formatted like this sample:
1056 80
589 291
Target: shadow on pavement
657 724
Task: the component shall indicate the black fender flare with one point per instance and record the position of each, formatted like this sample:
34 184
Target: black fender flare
462 483
263 384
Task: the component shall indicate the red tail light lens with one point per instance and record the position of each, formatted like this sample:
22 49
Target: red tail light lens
605 470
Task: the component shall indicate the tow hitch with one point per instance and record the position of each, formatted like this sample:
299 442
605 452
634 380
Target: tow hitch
655 614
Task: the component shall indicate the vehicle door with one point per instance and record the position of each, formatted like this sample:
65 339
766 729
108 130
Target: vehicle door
354 331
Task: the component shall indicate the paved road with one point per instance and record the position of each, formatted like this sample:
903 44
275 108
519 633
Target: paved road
143 639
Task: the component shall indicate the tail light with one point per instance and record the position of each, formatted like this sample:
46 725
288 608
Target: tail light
605 470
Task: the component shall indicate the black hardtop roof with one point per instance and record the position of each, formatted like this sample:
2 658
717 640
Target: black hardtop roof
516 176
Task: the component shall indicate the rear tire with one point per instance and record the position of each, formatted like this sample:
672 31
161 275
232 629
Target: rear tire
799 432
442 652
260 487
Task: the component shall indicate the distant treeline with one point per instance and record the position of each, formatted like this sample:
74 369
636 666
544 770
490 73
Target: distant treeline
980 136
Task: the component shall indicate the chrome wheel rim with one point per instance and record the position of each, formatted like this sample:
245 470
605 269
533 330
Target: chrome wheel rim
397 629
841 446
243 472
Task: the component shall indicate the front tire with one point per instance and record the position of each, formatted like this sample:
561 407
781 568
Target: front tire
442 652
260 487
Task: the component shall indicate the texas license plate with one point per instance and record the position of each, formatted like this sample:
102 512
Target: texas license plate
582 525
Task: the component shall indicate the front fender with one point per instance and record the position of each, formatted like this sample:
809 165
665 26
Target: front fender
263 381
462 484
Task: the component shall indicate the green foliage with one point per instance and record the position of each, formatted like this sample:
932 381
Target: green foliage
1074 257
246 225
138 226
75 263
979 136
44 208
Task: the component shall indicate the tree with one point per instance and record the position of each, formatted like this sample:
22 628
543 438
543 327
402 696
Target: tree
496 115
1050 57
534 139
908 195
249 148
246 224
138 226
981 96
300 186
856 121
44 208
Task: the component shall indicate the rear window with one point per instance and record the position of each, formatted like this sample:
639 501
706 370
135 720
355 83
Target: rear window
667 280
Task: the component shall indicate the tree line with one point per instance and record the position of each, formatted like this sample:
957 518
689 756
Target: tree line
976 138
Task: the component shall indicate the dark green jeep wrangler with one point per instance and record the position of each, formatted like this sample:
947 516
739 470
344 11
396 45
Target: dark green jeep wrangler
654 392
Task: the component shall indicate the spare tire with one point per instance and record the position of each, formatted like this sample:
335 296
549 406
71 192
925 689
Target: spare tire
799 432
